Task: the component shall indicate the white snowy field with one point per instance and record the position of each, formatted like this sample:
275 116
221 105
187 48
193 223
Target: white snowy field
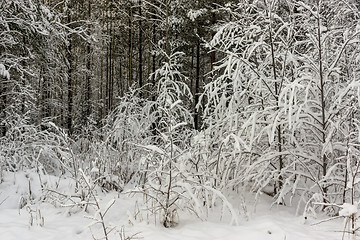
44 221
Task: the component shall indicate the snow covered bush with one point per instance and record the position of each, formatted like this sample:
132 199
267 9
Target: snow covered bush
26 146
129 125
283 101
30 40
162 165
171 180
244 116
99 217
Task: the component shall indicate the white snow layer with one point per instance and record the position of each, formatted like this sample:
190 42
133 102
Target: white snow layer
51 221
3 72
348 210
194 14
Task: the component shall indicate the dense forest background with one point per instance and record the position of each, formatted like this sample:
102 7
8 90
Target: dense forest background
186 100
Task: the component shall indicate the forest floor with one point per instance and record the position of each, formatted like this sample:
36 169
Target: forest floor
45 221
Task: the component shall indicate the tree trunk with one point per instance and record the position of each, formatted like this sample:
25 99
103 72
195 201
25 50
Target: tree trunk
2 105
197 86
140 49
70 78
277 92
322 93
130 44
88 73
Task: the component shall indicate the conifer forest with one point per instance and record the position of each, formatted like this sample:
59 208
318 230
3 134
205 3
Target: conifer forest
179 109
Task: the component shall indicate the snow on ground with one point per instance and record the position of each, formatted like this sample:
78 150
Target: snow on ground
58 223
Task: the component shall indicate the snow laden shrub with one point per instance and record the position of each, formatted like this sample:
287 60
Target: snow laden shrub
273 112
36 153
162 164
343 177
29 57
320 102
109 155
243 114
204 182
171 180
129 125
41 147
100 213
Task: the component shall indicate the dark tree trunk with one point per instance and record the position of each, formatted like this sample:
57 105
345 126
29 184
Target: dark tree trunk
69 57
140 49
197 87
88 74
3 101
70 89
130 44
